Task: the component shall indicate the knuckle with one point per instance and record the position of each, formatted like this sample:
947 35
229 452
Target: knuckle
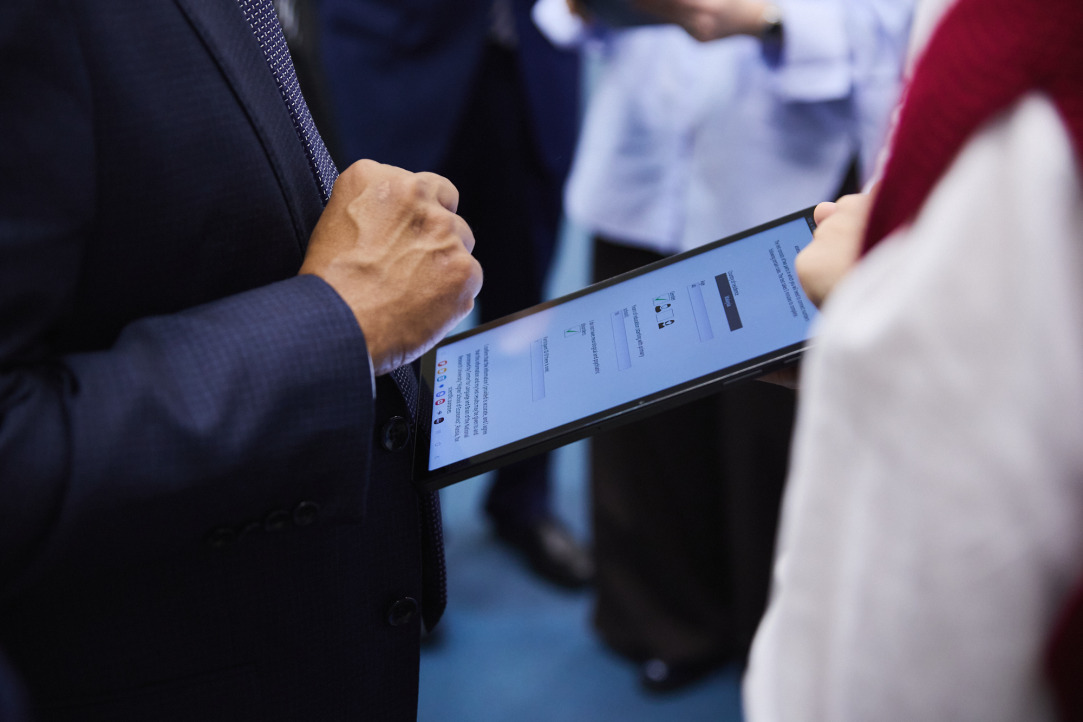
437 221
359 170
466 305
356 177
445 227
461 228
387 177
473 268
464 268
428 222
477 278
430 180
452 188
417 187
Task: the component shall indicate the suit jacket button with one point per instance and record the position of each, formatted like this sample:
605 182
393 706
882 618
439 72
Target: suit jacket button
250 528
305 513
402 611
276 520
395 434
221 537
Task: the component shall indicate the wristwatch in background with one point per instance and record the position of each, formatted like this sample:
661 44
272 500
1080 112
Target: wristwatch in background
771 34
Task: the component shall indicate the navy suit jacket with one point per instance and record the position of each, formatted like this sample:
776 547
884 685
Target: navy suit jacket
400 73
196 521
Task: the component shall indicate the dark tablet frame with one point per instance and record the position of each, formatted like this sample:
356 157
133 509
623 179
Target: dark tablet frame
581 428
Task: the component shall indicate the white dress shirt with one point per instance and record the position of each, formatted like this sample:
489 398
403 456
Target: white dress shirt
685 142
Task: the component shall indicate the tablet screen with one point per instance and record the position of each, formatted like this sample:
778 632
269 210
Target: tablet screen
694 318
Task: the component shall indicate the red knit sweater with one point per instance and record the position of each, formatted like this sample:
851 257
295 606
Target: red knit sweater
984 56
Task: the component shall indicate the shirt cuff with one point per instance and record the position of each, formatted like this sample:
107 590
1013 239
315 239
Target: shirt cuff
816 58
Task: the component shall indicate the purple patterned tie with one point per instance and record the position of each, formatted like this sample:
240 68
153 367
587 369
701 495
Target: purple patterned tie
263 20
433 566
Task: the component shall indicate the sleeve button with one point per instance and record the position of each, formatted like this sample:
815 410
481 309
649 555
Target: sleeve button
221 537
276 521
395 434
249 529
306 513
402 611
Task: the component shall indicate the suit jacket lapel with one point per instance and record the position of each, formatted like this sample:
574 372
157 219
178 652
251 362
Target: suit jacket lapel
229 39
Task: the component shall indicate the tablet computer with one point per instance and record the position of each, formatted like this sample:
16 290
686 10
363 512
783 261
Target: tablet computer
622 349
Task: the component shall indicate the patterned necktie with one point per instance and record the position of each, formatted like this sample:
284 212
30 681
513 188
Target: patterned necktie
433 566
263 20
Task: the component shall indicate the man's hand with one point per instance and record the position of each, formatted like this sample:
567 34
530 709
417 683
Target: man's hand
390 243
840 229
709 19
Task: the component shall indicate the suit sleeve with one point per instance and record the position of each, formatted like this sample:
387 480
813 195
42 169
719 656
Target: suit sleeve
188 422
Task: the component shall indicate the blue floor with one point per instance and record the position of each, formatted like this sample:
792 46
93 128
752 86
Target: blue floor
515 649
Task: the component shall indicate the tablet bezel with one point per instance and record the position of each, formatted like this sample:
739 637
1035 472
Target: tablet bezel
608 418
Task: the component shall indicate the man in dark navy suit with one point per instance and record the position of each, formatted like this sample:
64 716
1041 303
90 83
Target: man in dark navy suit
472 90
205 505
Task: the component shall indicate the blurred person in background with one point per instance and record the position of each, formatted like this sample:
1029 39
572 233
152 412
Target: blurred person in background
472 90
782 105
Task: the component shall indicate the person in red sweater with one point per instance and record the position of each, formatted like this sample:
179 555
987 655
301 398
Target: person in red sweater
932 532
